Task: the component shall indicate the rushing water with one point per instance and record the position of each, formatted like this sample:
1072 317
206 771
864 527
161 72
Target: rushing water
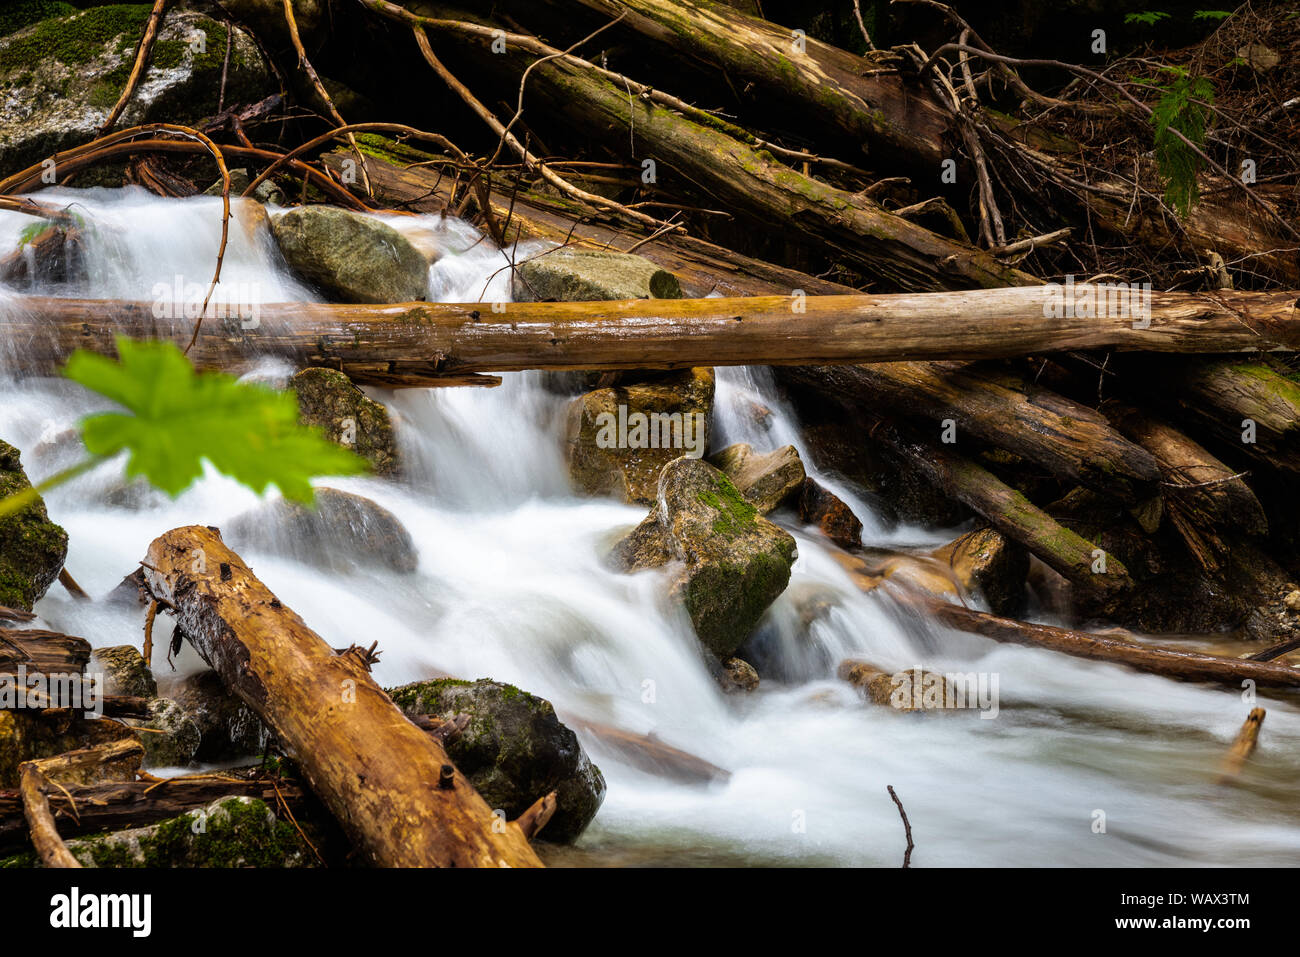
511 586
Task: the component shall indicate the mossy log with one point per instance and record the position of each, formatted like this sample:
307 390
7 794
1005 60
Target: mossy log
388 783
430 339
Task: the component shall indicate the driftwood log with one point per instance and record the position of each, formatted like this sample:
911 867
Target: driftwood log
389 784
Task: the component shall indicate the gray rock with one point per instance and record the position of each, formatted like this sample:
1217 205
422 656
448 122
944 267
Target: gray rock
514 751
353 258
179 737
60 78
580 275
330 401
734 562
228 728
344 532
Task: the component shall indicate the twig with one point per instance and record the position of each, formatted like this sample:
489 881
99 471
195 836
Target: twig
907 827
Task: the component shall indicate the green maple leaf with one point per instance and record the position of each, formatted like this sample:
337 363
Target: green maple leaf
178 417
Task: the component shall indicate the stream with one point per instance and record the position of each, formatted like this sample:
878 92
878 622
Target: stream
511 586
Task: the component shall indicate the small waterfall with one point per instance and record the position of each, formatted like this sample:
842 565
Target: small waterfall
511 585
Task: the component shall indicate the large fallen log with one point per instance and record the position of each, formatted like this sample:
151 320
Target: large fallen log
456 338
1182 665
389 784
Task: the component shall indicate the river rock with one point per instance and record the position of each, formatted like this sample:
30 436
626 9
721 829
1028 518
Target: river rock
343 532
738 675
60 77
820 506
352 257
32 548
231 832
895 689
583 275
619 438
124 670
514 751
734 562
330 401
173 738
228 728
989 564
767 480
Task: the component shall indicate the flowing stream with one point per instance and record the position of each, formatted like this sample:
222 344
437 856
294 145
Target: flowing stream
511 585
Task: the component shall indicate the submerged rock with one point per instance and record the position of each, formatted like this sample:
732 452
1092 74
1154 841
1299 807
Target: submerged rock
897 690
738 675
330 401
990 565
353 258
619 438
60 77
767 480
343 532
124 670
231 832
581 275
734 562
514 751
32 548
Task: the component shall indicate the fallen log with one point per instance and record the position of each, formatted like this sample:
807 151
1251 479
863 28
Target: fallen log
1181 665
1067 438
39 650
388 783
456 338
1242 747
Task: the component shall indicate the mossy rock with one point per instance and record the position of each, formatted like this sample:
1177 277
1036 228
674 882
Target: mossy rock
329 400
767 480
173 738
232 832
26 735
60 76
32 548
514 751
124 670
582 275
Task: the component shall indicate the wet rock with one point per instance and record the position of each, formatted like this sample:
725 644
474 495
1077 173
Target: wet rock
266 192
738 675
913 690
619 438
330 401
580 275
231 832
60 77
174 735
228 728
353 258
124 670
32 548
514 751
343 532
820 506
734 562
767 480
989 564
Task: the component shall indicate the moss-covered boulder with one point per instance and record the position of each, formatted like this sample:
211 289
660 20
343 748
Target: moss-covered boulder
990 565
734 562
350 256
232 832
584 275
124 671
61 75
767 480
619 438
32 548
514 751
342 532
331 401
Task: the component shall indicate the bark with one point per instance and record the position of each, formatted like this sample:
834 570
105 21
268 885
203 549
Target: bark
389 784
1068 439
1243 747
432 339
48 652
1182 665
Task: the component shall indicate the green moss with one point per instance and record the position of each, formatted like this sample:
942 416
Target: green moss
23 13
734 514
32 548
74 40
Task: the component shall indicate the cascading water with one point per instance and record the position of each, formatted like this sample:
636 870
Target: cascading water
511 585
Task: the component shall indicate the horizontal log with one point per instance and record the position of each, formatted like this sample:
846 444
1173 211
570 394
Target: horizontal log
457 338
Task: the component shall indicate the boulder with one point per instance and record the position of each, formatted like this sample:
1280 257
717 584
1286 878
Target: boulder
124 670
350 256
343 532
990 565
60 77
514 751
330 401
231 832
820 506
582 275
619 438
767 480
228 728
734 562
32 548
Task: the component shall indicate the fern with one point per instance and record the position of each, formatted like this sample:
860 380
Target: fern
1185 106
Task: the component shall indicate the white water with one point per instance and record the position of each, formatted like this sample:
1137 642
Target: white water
511 586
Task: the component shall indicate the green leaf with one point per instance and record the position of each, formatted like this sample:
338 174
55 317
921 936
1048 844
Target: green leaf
1149 18
179 417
